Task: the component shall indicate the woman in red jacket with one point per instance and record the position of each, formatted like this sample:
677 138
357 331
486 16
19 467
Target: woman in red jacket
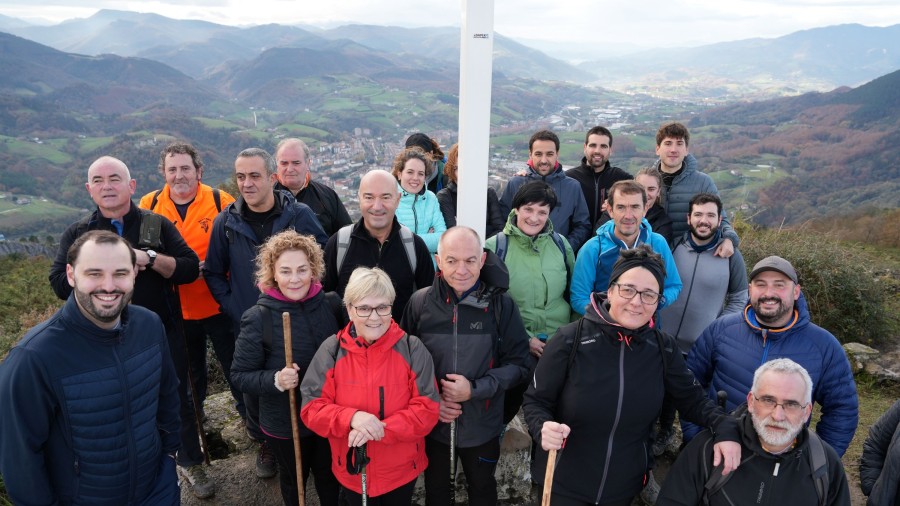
372 386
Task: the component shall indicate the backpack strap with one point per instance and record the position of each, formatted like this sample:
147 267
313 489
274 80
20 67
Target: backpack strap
343 243
818 465
500 250
217 198
266 315
155 199
409 244
562 249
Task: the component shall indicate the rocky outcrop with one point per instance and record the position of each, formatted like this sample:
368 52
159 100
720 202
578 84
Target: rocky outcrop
233 465
881 366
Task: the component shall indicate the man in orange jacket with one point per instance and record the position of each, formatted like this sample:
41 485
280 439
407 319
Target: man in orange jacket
192 206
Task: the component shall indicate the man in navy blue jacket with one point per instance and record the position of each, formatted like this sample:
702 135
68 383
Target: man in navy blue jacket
89 398
776 324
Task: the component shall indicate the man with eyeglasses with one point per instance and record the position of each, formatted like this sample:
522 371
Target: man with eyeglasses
626 229
474 332
779 463
776 324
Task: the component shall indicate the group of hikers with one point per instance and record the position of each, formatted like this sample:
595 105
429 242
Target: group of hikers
600 308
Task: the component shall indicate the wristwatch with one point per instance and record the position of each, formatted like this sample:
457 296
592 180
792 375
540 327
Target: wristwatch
152 255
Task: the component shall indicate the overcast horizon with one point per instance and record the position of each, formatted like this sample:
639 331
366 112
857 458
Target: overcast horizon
561 27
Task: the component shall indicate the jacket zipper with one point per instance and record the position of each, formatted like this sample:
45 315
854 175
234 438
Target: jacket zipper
615 426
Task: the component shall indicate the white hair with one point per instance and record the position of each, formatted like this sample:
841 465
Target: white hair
784 366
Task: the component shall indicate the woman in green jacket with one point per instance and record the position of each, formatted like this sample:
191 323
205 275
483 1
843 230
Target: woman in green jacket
540 264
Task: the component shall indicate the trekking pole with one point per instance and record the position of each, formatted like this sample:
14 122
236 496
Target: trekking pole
365 486
548 475
198 420
453 462
295 429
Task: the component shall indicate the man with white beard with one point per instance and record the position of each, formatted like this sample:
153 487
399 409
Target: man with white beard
782 462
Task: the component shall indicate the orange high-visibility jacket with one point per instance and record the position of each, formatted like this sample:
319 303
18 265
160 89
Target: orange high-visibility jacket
196 301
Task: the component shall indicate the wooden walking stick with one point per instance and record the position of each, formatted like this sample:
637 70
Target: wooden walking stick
548 478
295 429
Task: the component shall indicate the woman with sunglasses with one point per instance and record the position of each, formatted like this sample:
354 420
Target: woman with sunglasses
371 391
600 385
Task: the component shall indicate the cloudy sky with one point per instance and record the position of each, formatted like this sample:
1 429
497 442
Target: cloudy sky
610 26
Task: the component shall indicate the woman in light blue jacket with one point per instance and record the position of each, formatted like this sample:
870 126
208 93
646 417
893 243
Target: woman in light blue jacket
419 209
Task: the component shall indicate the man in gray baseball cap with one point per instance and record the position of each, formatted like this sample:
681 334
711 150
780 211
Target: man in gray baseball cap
776 324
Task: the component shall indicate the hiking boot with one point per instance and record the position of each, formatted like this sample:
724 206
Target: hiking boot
651 490
265 461
199 482
664 437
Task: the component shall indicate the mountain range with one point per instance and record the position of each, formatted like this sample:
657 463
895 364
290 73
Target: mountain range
59 109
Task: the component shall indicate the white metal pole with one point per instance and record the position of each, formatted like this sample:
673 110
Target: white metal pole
475 69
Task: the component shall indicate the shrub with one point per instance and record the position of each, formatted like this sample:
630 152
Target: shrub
842 290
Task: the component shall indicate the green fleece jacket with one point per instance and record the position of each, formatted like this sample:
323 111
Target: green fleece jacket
537 276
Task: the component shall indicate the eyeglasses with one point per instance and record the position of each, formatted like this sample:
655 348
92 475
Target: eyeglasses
366 311
628 292
789 407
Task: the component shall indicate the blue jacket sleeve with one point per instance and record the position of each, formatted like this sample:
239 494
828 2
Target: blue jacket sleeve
435 221
306 222
26 412
168 417
836 394
672 283
581 228
584 275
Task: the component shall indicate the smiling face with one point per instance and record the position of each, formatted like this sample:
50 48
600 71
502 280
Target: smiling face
651 185
671 153
597 150
293 274
182 177
776 427
293 166
373 326
704 221
627 211
103 282
633 313
543 156
460 258
412 177
772 296
532 218
110 186
378 201
255 185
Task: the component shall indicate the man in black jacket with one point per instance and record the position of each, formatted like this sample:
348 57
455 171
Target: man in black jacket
474 332
163 260
595 174
778 454
292 159
376 241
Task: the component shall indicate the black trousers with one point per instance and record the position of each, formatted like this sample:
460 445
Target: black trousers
218 329
190 452
400 496
315 456
558 500
478 463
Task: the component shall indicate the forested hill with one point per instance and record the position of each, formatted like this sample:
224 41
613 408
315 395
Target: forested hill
839 149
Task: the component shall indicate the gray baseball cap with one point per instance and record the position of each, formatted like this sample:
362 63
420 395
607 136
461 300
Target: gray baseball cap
777 264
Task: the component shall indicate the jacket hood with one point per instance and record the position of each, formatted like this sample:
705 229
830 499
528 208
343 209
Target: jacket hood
598 312
283 198
555 173
280 304
493 279
689 165
353 344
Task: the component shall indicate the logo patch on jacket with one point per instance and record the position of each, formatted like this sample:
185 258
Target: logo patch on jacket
476 326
